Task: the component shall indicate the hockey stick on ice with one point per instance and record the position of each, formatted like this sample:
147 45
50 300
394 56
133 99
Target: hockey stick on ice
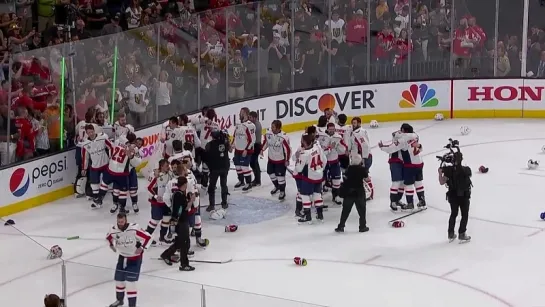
211 261
407 215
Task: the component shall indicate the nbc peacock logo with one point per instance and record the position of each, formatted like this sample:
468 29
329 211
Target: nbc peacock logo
418 94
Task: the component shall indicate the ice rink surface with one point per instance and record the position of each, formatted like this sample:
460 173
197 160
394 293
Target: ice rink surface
410 266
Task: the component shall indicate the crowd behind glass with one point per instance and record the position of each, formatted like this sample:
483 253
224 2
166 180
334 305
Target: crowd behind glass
232 51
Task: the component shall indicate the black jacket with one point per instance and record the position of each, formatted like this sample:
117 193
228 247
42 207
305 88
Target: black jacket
179 207
459 180
353 185
217 155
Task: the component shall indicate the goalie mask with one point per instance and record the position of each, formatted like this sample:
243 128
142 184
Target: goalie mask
55 252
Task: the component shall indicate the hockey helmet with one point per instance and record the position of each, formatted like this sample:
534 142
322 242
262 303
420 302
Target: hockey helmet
55 252
483 169
533 164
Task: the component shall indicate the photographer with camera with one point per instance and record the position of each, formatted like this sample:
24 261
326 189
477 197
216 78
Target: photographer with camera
458 180
217 158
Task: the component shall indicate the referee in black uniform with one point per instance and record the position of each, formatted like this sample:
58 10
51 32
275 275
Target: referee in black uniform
254 162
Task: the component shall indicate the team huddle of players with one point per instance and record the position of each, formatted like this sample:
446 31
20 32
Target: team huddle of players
324 153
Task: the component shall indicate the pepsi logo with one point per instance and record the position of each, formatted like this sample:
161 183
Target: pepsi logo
19 182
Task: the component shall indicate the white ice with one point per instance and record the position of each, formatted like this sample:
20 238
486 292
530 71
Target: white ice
410 266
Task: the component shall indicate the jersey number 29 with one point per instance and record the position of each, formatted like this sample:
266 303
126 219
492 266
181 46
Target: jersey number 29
118 154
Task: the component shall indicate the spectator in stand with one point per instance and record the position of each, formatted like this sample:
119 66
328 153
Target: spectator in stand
26 142
112 27
133 15
276 53
42 139
52 118
503 66
24 14
46 14
237 69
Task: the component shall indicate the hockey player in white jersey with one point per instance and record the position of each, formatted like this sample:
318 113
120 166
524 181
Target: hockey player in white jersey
94 158
121 127
396 170
359 143
243 145
81 183
278 144
204 126
331 116
413 165
334 147
195 221
189 133
118 170
311 162
129 241
171 132
160 212
345 131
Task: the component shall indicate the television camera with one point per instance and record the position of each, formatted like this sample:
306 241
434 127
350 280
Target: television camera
449 157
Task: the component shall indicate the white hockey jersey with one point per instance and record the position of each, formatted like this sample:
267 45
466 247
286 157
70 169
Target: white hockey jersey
334 147
120 130
394 156
345 132
125 240
93 152
80 129
409 149
278 146
119 160
311 164
204 128
193 187
189 135
359 143
171 134
169 190
156 188
244 137
321 136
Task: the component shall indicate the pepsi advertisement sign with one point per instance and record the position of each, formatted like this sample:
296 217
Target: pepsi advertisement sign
38 177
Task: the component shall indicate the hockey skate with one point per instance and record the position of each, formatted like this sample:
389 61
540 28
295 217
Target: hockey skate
282 195
339 229
247 188
114 208
407 207
275 190
97 203
224 205
123 210
319 214
239 185
464 238
135 208
202 242
451 237
255 184
116 304
396 206
421 203
306 217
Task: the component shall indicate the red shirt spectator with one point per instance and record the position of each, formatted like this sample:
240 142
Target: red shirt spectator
25 145
403 47
356 29
477 32
385 44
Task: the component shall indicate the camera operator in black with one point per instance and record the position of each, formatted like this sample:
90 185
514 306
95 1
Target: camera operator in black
180 204
458 180
217 158
353 193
